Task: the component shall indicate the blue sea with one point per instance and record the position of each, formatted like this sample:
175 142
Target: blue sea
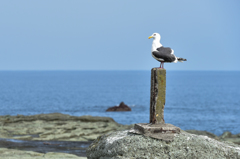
201 100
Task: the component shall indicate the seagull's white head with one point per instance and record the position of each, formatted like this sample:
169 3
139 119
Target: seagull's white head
156 41
155 36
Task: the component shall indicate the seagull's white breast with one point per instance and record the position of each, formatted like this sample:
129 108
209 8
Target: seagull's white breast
156 44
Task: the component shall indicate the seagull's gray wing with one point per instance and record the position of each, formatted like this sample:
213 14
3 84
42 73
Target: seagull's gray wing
164 53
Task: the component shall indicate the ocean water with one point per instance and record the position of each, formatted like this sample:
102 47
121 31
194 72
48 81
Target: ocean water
201 100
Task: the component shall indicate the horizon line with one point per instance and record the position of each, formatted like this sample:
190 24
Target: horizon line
108 70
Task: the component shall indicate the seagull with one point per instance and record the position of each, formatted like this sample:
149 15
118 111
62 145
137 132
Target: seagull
163 54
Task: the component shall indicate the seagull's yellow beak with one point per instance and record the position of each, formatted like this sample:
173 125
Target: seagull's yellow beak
150 37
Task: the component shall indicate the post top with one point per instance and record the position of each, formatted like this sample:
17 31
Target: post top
158 68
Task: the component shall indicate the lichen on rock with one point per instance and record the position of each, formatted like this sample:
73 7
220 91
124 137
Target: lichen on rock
124 144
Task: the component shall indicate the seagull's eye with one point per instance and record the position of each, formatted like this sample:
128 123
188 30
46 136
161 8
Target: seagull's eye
154 34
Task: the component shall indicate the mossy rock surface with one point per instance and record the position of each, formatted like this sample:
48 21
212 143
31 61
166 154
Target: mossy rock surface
57 127
124 144
18 154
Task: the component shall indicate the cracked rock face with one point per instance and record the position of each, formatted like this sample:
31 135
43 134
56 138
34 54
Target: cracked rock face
124 144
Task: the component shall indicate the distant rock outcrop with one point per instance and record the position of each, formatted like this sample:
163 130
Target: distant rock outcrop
121 107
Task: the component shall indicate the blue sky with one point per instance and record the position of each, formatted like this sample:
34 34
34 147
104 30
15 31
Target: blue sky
113 35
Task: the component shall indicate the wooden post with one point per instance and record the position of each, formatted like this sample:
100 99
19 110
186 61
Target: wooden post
157 128
158 95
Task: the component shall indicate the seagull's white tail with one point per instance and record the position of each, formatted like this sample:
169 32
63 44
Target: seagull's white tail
181 59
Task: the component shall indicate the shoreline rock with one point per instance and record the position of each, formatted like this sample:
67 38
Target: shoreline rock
70 147
6 153
49 128
61 127
226 136
204 133
57 127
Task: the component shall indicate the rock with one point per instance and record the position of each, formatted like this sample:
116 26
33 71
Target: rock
204 133
57 126
16 154
228 136
124 144
52 117
52 155
69 147
233 140
27 137
121 107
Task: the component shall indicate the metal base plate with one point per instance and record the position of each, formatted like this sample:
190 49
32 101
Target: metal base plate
163 131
